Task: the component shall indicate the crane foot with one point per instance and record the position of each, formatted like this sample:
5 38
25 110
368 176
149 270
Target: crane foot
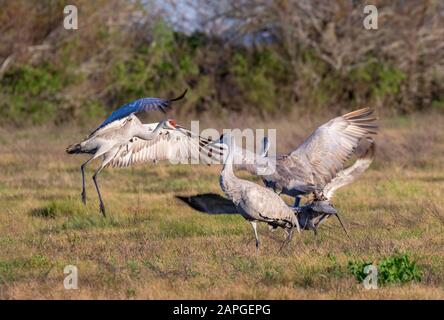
102 210
84 197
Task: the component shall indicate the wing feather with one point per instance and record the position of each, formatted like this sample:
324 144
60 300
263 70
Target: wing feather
366 154
174 145
323 154
140 105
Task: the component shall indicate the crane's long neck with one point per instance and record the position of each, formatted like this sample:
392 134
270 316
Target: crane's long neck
228 165
228 180
141 131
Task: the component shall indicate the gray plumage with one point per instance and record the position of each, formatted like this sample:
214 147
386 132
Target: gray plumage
116 131
322 155
126 142
310 215
313 165
313 213
106 143
254 202
176 146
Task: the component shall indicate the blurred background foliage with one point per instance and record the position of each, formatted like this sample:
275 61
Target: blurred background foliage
254 57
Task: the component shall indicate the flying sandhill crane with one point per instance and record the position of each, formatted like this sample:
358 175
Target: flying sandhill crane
118 131
176 146
254 202
310 167
310 215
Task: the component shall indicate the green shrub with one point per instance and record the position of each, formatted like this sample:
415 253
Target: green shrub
31 93
73 80
258 75
153 68
26 88
398 268
356 268
376 79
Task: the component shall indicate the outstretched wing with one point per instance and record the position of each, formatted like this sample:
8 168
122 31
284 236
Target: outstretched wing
366 154
177 146
323 154
140 105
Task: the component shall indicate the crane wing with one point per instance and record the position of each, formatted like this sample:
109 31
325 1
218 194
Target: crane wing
366 154
244 159
141 105
173 145
323 154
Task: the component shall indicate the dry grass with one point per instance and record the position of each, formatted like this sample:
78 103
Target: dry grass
151 246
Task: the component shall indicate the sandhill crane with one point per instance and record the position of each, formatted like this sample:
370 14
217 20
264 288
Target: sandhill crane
254 202
314 212
310 215
310 167
119 130
176 146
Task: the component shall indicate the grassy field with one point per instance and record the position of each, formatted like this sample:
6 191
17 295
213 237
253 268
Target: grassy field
152 246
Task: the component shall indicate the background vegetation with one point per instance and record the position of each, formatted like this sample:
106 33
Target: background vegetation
283 64
263 58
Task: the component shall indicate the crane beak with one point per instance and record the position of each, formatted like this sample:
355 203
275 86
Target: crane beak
178 126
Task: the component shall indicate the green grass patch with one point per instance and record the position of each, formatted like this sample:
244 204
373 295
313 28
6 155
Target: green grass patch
13 269
183 228
59 208
91 221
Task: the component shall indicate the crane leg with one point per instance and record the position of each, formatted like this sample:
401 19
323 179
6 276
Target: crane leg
298 227
290 235
82 169
254 225
304 223
313 226
107 157
102 206
287 239
315 230
297 201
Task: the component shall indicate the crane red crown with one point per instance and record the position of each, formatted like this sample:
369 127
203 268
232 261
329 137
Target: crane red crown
172 122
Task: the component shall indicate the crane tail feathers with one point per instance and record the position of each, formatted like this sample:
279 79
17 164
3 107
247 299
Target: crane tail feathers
74 148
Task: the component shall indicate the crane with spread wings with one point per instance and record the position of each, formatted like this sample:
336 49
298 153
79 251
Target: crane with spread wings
312 166
311 214
123 140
